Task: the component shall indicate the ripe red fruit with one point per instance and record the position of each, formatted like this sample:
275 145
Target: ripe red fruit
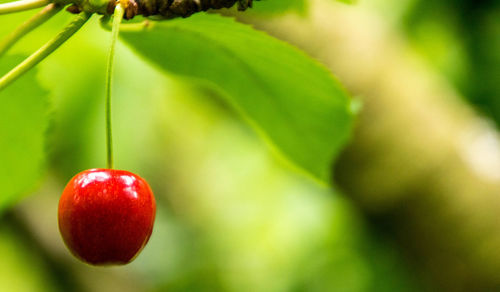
106 216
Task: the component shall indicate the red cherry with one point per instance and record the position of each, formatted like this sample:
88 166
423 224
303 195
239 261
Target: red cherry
106 216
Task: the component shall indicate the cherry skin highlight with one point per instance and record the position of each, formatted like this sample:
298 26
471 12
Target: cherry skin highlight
106 216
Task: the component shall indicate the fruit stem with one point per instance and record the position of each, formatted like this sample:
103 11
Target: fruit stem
45 50
25 28
21 5
127 27
117 19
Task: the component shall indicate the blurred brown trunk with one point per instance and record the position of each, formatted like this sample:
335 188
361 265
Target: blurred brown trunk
420 159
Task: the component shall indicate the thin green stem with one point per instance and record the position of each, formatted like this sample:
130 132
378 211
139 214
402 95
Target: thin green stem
117 19
128 27
25 28
21 5
45 50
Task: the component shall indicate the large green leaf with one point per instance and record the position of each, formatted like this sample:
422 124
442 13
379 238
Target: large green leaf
23 122
289 98
277 6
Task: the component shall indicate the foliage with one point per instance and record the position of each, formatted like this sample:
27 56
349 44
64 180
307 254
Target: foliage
288 97
276 6
461 40
229 216
23 123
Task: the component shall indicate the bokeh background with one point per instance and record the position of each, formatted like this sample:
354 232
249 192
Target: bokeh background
416 199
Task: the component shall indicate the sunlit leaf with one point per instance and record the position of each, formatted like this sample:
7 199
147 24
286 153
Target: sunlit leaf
288 97
23 123
278 6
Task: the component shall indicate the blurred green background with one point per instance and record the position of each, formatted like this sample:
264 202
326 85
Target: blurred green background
233 217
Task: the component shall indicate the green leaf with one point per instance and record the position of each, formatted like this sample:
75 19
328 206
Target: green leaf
23 123
277 6
287 96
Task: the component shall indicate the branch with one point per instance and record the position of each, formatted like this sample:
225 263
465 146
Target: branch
32 23
22 5
45 50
